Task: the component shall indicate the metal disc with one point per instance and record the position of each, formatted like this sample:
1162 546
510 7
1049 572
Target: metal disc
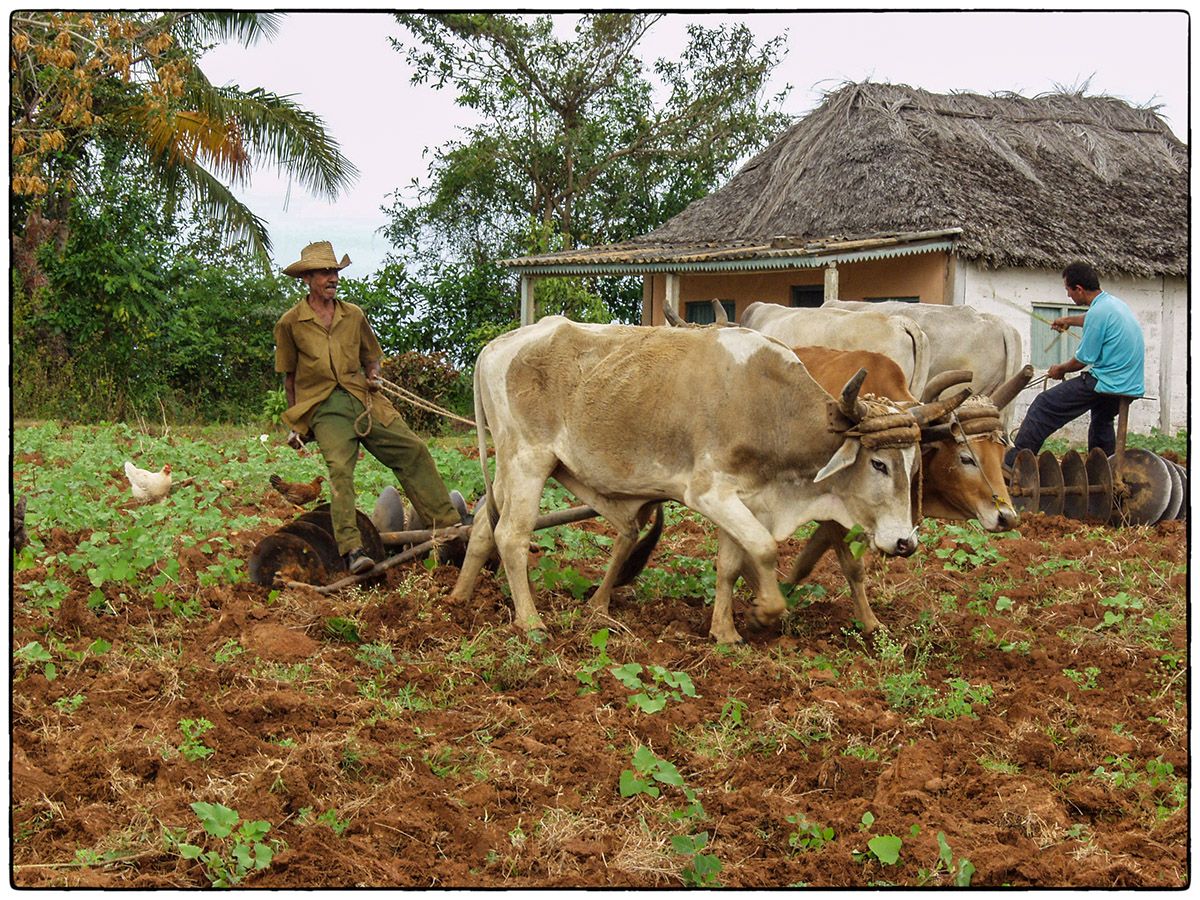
1100 495
1051 478
1075 486
1182 512
1023 485
1148 485
1176 493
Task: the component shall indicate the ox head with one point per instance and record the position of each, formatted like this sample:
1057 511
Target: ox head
877 460
962 458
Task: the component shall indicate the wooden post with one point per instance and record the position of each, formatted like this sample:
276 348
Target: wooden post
528 304
831 283
647 299
1166 343
1119 489
671 299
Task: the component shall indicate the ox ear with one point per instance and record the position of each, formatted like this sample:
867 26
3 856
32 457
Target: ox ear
843 459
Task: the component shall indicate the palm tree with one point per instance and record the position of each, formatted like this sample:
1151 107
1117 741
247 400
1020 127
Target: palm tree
132 80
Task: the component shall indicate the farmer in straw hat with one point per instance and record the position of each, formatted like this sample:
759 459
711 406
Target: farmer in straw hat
330 360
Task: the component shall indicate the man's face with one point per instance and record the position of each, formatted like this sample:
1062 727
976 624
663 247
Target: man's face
1077 294
322 283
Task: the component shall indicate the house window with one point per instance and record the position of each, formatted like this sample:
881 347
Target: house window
888 299
808 294
700 312
1048 347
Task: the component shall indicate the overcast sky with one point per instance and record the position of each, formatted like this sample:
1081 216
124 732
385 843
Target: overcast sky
342 67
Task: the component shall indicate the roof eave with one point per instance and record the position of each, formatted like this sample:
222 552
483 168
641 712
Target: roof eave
766 259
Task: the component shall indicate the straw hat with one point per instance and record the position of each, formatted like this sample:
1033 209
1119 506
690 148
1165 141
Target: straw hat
318 255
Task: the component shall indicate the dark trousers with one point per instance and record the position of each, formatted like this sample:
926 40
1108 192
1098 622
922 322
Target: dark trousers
1064 403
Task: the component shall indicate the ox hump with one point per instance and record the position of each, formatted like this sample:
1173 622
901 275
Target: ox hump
743 345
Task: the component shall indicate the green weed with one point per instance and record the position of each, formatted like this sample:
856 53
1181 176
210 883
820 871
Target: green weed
239 852
808 835
192 748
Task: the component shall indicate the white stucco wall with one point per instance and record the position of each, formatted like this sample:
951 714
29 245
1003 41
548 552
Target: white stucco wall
1160 305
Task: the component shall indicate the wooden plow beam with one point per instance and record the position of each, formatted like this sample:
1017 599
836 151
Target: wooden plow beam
424 540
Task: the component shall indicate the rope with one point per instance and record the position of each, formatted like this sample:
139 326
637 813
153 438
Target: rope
366 412
419 402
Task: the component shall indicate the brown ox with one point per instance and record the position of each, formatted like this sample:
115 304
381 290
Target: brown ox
612 412
961 476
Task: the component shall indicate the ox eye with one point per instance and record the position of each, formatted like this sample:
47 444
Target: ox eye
966 460
879 466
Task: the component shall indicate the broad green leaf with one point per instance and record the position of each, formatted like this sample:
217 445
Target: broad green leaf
886 848
217 820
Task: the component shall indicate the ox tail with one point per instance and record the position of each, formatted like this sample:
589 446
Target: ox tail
640 554
481 431
920 373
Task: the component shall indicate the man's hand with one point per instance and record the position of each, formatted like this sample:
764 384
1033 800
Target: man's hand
1058 371
1060 324
295 441
373 384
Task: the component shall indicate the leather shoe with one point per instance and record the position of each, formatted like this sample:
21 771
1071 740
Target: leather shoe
358 562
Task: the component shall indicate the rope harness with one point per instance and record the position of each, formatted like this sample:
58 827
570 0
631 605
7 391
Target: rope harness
399 393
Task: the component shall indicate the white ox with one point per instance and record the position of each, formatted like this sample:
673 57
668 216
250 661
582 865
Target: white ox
724 421
960 337
899 339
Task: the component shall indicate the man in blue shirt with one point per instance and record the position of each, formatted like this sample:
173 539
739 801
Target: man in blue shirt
1112 345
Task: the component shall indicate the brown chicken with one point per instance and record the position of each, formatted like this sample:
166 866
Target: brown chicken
297 492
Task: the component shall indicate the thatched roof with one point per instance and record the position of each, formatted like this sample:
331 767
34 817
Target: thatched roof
1032 182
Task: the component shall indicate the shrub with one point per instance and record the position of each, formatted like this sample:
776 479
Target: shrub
431 377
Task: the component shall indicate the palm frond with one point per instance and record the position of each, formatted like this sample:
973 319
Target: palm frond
277 132
190 135
216 26
211 197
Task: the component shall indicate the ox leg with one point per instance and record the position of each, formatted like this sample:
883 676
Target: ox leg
856 574
827 535
729 563
622 546
759 555
480 547
512 533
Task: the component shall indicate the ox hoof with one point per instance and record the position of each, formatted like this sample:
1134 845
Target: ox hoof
730 637
764 617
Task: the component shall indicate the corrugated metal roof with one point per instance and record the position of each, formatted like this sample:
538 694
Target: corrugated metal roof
781 253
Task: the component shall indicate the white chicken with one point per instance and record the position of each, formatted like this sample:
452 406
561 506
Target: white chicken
148 487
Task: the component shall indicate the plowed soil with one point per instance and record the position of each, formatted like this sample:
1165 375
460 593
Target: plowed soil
442 748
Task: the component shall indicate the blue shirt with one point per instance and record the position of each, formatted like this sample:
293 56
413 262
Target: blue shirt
1112 344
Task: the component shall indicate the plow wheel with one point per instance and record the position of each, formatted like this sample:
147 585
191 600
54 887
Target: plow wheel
1147 489
1075 486
1100 487
1050 477
1024 486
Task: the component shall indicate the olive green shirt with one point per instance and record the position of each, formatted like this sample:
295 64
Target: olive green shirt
324 360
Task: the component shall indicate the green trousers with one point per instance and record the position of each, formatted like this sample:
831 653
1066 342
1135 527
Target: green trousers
395 446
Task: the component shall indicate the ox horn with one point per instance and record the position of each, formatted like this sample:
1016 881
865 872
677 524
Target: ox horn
719 314
672 317
1003 395
929 412
943 380
848 405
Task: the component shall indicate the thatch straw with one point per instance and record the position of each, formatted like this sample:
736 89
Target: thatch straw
1032 182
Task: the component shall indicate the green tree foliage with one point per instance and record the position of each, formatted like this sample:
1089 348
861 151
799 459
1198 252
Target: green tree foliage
144 312
575 145
81 82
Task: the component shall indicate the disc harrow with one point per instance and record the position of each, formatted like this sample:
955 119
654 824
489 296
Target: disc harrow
1140 489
